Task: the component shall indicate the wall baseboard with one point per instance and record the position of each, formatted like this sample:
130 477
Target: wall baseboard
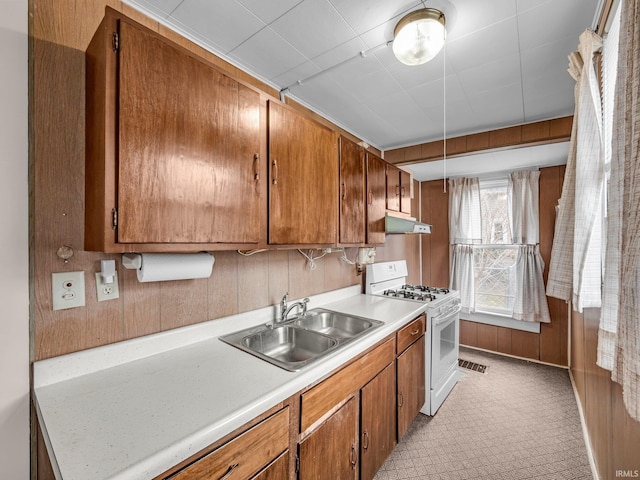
585 432
534 360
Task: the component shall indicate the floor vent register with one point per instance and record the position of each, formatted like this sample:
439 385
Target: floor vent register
476 367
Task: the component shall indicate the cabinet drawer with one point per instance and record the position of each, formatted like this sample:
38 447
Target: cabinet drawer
320 399
410 333
245 455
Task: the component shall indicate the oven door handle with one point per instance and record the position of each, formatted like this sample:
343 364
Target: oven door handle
445 317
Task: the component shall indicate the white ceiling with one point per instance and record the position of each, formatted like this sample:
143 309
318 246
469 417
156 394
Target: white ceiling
504 62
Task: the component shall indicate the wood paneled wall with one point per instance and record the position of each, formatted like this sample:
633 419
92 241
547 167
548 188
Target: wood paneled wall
435 247
404 247
537 133
60 31
550 345
614 435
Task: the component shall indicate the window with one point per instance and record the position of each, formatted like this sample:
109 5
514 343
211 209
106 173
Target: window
495 259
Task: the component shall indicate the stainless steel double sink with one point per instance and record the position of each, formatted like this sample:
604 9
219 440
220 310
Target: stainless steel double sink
302 340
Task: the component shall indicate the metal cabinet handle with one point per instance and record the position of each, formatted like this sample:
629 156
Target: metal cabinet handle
344 190
365 440
354 456
400 399
229 471
274 172
397 190
256 166
402 189
415 332
370 197
256 172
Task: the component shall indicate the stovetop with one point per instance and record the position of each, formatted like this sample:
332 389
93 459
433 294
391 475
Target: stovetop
416 292
389 279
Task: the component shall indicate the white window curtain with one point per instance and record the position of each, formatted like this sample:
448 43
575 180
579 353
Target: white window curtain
607 335
575 267
465 224
530 302
462 276
524 206
624 209
465 229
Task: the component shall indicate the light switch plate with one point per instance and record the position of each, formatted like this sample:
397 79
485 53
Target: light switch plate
67 290
106 291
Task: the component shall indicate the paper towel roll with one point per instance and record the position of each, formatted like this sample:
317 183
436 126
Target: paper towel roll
158 267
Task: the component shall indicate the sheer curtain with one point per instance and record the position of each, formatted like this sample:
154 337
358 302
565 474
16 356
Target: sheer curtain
465 229
523 206
462 276
465 221
530 301
607 334
575 267
625 161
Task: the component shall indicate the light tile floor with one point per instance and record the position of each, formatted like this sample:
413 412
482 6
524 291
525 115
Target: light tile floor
517 421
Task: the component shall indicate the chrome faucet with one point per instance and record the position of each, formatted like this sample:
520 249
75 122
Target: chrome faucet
284 309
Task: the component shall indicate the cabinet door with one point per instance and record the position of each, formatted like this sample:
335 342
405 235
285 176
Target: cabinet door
331 451
378 421
303 190
393 188
188 148
376 199
405 192
411 384
352 216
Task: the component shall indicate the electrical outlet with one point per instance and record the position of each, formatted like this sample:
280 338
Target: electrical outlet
67 290
366 255
106 291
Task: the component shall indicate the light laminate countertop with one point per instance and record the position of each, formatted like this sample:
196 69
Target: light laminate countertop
135 409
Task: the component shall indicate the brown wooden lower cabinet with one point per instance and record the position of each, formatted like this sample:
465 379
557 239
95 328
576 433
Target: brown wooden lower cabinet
378 421
276 470
244 456
411 384
331 451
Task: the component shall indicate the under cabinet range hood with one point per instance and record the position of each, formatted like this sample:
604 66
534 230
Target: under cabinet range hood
395 224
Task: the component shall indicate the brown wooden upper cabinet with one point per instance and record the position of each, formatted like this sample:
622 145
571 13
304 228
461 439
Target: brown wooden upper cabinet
175 158
393 188
376 199
352 198
405 192
303 179
398 190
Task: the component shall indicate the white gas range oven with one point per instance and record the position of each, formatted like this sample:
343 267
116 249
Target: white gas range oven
442 331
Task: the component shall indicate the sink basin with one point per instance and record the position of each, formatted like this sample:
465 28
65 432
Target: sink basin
301 340
289 344
335 324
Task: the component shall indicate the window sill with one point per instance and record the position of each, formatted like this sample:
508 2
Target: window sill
501 321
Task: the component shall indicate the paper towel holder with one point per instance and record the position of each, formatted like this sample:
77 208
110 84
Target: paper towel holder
132 261
159 267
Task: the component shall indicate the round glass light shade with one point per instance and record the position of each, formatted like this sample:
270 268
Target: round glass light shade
419 36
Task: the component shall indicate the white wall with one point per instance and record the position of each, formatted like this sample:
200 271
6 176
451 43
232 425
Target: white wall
14 243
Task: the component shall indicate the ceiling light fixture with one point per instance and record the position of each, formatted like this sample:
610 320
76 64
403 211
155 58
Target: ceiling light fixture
419 36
